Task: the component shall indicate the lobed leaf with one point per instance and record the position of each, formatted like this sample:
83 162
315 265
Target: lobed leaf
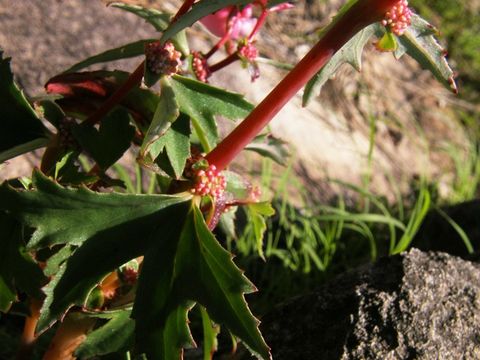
256 213
190 265
111 229
350 53
420 43
210 332
166 113
202 102
72 216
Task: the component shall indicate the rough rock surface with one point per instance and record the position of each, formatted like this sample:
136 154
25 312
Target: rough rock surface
412 306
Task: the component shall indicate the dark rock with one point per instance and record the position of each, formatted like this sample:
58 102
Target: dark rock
411 306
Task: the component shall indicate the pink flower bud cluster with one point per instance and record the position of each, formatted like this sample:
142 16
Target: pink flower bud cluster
398 18
200 66
209 181
162 59
248 51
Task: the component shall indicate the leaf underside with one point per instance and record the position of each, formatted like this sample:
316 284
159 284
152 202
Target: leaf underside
418 41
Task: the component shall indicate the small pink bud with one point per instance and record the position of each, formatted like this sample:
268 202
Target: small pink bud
200 67
398 18
209 182
248 51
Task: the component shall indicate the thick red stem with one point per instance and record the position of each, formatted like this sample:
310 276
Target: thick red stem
360 15
133 80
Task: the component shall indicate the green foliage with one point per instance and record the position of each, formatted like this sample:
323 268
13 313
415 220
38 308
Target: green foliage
107 144
70 235
417 41
17 268
21 130
201 102
460 30
190 265
350 53
114 336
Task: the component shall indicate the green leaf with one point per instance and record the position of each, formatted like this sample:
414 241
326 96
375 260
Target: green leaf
419 42
199 10
201 102
177 144
17 268
190 265
50 111
72 216
159 21
238 188
270 147
55 261
21 130
112 228
256 213
166 113
388 42
107 144
227 223
126 51
210 332
350 53
115 335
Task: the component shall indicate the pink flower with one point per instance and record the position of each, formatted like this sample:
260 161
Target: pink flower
238 24
217 23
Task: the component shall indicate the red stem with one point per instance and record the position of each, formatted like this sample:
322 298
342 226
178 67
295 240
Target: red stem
218 45
225 37
260 21
133 80
360 15
225 62
183 9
